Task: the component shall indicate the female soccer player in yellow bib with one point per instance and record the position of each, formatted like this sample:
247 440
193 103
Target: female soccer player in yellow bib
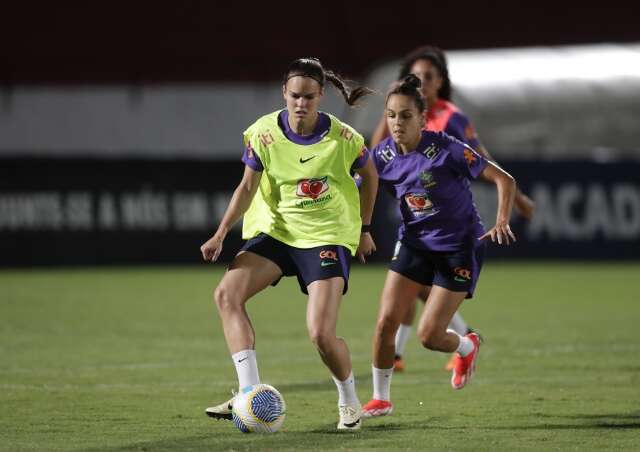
304 217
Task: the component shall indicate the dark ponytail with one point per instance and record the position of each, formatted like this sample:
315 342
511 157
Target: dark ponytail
410 87
312 68
435 56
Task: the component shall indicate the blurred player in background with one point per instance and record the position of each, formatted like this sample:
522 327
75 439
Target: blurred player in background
303 217
441 236
429 64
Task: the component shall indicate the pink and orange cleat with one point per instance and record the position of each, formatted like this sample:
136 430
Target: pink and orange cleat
465 367
375 408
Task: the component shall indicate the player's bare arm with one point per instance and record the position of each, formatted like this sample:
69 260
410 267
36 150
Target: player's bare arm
240 201
506 186
368 192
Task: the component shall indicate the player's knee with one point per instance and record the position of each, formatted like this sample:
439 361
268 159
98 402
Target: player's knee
386 327
225 299
321 338
430 337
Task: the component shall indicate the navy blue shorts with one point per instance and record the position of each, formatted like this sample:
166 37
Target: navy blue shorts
308 264
457 271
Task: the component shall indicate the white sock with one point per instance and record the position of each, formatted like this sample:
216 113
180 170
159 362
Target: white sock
458 324
465 346
382 383
246 368
402 336
347 391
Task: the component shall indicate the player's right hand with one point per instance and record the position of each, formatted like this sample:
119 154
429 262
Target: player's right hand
212 248
366 247
500 233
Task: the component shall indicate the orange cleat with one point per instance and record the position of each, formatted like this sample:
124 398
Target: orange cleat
398 364
465 367
375 408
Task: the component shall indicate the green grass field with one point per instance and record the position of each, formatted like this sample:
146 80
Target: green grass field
127 359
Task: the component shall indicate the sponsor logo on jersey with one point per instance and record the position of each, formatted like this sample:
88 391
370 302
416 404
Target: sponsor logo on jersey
346 134
328 254
431 151
470 157
328 257
387 154
419 203
462 274
312 188
266 138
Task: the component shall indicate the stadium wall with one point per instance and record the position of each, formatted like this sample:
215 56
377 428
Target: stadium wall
82 211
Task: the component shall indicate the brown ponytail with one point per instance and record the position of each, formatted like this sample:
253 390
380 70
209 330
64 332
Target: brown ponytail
311 67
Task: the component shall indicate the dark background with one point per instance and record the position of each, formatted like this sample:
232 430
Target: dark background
142 41
74 44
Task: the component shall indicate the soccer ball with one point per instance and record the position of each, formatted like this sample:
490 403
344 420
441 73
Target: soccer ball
259 409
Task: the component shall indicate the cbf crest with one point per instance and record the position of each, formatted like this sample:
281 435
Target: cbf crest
426 179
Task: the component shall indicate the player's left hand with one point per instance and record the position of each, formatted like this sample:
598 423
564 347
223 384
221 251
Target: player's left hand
366 246
500 232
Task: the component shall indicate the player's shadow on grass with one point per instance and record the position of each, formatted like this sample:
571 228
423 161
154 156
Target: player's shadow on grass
614 421
325 435
371 429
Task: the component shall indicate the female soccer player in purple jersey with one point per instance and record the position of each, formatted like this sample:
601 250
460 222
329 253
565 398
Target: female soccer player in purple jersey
441 236
303 217
429 64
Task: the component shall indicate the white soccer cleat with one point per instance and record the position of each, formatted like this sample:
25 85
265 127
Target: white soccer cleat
350 417
222 411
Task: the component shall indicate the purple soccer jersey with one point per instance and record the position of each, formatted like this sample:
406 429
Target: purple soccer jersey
445 116
461 128
432 185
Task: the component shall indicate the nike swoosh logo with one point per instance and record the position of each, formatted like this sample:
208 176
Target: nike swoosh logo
306 160
240 360
459 279
326 264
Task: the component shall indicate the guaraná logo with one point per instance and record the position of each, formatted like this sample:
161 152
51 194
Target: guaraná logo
312 188
419 203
